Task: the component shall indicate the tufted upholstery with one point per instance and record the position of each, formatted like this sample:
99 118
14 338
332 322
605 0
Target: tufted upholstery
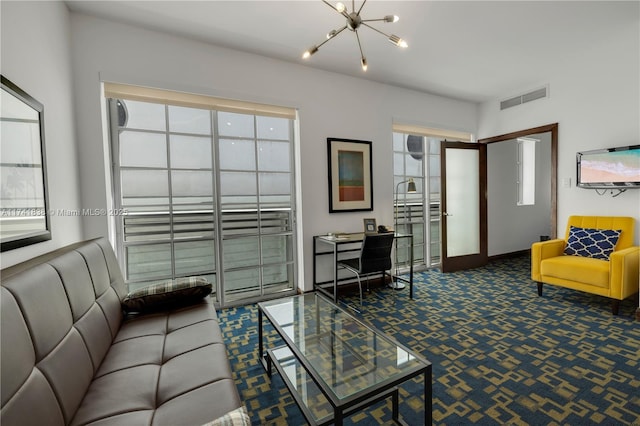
69 357
616 278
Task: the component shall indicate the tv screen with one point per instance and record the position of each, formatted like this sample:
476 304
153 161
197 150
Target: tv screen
609 168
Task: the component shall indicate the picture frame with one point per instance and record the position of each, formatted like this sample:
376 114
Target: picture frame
24 212
370 226
350 175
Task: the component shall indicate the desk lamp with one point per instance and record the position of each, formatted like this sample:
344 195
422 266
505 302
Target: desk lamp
411 189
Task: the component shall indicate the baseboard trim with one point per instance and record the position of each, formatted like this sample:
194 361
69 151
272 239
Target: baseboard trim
526 252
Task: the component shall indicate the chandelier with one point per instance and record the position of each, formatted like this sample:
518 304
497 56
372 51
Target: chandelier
354 22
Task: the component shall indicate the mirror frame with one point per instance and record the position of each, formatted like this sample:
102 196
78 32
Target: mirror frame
35 235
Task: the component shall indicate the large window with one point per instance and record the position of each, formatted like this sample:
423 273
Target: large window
204 192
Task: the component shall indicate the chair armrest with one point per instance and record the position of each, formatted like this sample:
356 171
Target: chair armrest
624 266
544 250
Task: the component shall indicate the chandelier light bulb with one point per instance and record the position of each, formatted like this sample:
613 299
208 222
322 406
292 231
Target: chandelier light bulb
309 52
363 61
340 7
397 41
391 18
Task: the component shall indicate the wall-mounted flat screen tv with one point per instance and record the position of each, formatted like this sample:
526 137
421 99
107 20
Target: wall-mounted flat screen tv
609 168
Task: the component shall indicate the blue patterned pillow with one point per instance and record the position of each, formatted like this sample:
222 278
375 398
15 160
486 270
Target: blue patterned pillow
587 242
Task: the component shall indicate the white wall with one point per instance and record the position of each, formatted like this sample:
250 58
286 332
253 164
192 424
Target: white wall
330 105
514 228
36 56
596 102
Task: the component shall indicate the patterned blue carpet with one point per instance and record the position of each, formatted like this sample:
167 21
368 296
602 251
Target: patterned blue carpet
501 355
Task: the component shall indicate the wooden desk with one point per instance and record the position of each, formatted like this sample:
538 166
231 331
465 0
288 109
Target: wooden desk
345 243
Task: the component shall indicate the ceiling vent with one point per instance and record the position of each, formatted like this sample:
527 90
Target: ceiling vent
527 97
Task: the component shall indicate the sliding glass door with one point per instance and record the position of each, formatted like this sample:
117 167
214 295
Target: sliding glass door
409 211
256 220
417 158
204 192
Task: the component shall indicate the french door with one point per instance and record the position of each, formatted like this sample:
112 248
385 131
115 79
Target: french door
464 205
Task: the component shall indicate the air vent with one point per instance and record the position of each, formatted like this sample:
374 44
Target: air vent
521 99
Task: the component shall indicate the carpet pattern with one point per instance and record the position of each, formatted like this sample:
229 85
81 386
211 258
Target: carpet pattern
501 355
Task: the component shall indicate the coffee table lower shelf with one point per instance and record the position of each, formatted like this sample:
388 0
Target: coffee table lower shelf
307 393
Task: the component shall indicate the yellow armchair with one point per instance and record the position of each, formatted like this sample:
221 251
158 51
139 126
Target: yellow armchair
616 278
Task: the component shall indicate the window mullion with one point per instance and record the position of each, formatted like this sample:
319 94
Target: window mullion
215 151
170 195
258 206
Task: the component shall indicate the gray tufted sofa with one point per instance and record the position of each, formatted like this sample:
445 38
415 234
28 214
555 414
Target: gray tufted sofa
71 357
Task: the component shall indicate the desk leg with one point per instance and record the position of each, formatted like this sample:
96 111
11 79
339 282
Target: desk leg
314 262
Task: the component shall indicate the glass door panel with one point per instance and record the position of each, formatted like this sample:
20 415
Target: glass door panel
464 206
256 187
463 217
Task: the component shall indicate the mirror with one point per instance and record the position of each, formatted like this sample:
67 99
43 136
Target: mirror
24 216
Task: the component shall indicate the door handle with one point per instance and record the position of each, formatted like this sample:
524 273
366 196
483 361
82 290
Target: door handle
446 214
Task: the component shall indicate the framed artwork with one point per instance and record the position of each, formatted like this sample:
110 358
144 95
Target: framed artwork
370 226
24 214
350 175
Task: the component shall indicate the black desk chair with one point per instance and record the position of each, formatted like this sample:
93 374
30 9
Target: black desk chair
375 257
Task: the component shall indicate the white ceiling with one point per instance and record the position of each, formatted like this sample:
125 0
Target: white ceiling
471 50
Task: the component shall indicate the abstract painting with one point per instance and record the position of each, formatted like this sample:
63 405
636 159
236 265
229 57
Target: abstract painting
350 175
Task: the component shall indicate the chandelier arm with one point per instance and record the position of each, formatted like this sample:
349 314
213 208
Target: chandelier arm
339 31
359 44
330 5
316 47
323 42
358 13
363 60
372 20
375 29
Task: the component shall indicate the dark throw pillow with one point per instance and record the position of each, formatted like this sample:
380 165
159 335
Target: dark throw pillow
595 243
168 294
237 417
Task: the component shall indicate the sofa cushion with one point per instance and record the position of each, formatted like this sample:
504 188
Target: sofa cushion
167 294
70 357
587 270
589 242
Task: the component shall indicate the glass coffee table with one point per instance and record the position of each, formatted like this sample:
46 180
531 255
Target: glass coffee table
332 363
